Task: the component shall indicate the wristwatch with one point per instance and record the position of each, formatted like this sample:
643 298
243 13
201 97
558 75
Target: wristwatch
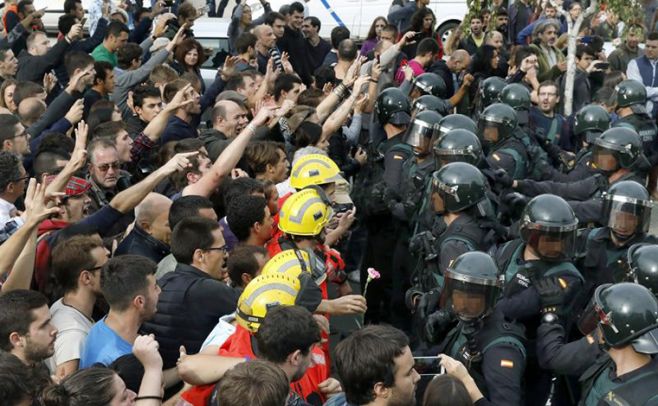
550 318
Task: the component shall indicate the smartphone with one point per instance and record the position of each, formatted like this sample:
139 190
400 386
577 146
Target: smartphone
428 366
417 36
602 65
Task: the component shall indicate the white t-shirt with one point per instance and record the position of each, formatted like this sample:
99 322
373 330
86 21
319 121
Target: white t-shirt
222 331
72 330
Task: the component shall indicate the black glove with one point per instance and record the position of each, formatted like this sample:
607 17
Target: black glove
515 199
552 291
437 325
503 178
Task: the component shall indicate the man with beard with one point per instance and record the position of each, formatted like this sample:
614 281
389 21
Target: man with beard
129 287
180 125
375 367
245 46
628 50
14 137
552 62
26 329
544 121
105 174
194 295
77 264
474 41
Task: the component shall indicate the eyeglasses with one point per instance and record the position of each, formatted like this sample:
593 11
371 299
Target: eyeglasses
23 134
222 248
106 167
21 179
94 269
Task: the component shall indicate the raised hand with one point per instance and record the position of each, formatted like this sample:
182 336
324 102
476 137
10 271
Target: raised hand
145 350
179 162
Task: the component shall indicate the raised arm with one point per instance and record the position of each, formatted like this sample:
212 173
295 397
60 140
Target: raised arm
131 197
228 158
18 252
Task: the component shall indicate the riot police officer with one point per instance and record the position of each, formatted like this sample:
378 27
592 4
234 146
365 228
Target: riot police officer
517 97
625 315
631 109
405 189
497 125
542 254
458 145
642 260
491 348
627 214
616 154
488 93
429 102
428 83
455 121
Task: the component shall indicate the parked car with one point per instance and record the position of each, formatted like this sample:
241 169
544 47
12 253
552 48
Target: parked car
212 33
358 15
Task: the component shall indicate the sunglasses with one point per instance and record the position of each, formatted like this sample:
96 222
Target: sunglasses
106 167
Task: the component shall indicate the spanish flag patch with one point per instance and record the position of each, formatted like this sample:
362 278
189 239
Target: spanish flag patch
505 363
496 157
398 157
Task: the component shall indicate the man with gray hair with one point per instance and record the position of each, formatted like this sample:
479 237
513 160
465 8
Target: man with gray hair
552 62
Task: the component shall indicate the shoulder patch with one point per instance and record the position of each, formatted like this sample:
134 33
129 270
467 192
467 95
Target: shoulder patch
505 363
495 156
396 156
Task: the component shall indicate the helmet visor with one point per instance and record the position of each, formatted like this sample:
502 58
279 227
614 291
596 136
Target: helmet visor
419 134
604 159
594 314
489 132
626 216
551 245
466 154
469 299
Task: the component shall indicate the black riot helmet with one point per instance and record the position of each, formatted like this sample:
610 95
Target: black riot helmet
626 313
472 285
392 106
429 102
456 187
454 121
497 123
590 121
490 89
627 206
631 92
517 97
431 83
458 145
548 226
622 144
643 265
420 132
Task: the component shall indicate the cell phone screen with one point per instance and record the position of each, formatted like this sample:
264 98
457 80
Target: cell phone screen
428 366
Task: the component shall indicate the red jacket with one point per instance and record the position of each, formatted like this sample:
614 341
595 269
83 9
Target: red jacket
239 346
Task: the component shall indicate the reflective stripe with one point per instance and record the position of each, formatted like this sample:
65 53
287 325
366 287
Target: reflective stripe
300 214
270 286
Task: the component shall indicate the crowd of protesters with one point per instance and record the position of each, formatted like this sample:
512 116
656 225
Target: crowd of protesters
166 239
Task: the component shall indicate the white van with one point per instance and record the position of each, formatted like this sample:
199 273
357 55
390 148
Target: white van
358 15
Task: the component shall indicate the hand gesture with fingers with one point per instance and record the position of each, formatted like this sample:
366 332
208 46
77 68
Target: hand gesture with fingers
179 162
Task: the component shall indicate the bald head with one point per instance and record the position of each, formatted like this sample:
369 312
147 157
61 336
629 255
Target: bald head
265 35
228 117
30 109
459 60
152 205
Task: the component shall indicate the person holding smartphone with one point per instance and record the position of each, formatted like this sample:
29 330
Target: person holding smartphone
491 349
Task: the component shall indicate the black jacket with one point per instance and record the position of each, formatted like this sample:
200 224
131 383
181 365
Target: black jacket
139 242
34 67
294 43
189 307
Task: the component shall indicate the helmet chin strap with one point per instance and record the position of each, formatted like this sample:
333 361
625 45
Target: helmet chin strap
470 353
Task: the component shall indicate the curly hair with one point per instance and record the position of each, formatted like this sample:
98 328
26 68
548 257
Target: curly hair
185 47
9 169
